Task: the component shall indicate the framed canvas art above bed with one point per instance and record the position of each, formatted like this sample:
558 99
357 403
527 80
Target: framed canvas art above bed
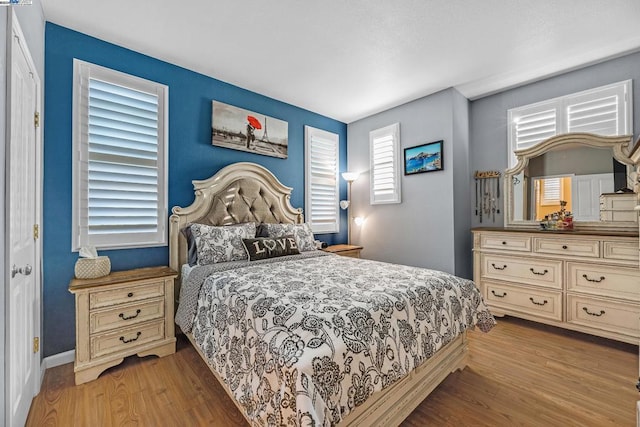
244 130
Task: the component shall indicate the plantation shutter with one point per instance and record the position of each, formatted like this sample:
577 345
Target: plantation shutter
322 196
605 110
551 191
121 160
385 168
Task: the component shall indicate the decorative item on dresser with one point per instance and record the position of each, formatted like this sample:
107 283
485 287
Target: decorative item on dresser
487 195
585 281
124 313
344 250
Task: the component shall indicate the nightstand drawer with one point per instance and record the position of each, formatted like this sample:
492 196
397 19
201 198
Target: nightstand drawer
525 300
540 272
125 315
509 242
98 299
603 280
127 339
611 316
570 247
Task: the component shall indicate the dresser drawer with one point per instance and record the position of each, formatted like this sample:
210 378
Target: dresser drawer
621 250
98 299
125 315
128 338
570 247
510 242
539 272
602 314
535 302
603 280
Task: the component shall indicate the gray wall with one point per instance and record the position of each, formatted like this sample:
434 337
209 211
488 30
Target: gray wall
31 19
422 230
577 161
488 116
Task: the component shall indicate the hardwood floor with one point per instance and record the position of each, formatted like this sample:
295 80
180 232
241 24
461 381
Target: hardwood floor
521 373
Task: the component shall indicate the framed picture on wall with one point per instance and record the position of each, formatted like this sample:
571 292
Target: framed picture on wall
423 158
240 129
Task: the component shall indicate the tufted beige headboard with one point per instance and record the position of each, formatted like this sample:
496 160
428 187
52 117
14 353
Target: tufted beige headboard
241 192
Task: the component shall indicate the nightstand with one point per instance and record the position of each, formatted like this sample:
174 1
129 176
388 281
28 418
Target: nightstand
344 250
124 313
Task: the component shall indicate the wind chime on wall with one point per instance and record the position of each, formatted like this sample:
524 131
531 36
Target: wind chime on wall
487 194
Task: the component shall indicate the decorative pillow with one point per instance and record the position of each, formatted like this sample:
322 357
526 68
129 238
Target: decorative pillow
192 251
221 244
270 247
301 232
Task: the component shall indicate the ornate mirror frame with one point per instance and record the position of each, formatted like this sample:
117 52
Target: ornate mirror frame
620 147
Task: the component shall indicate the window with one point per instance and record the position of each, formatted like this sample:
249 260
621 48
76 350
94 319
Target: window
120 159
606 110
321 192
385 164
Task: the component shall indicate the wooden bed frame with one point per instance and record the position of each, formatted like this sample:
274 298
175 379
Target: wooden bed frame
244 192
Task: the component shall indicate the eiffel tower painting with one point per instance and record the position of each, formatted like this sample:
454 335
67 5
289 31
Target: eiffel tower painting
265 135
240 129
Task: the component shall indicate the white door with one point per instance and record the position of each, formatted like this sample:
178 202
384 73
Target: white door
22 309
585 195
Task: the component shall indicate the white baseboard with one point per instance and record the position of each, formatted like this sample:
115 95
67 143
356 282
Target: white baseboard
56 360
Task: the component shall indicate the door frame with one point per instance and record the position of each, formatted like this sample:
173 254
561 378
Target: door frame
13 28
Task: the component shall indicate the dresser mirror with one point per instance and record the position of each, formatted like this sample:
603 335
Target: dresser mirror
588 175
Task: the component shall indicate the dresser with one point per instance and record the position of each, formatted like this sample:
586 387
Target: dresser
122 314
584 281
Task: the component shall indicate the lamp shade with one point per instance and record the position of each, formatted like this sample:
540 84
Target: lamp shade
350 176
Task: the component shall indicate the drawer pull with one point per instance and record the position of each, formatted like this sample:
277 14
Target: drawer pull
123 317
504 243
593 280
130 294
565 247
539 273
586 310
504 294
538 303
136 338
499 268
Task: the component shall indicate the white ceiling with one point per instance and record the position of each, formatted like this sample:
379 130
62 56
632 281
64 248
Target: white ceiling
348 59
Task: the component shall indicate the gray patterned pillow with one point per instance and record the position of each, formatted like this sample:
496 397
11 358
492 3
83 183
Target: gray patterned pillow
221 244
301 232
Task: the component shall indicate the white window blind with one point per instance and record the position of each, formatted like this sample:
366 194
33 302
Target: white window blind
606 110
385 165
551 191
120 159
321 192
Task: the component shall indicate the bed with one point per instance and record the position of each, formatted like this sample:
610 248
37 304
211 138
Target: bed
313 338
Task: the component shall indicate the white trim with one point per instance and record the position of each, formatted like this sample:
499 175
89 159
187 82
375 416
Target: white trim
13 27
58 359
623 90
83 72
320 136
392 131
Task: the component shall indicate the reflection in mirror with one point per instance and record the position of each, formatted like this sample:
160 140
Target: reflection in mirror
583 179
576 176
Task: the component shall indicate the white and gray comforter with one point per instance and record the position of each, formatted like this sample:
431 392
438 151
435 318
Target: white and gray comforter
306 339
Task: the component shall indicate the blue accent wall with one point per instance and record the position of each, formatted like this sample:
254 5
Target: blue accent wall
191 156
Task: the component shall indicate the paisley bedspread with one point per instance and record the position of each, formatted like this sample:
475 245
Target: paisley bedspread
304 341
